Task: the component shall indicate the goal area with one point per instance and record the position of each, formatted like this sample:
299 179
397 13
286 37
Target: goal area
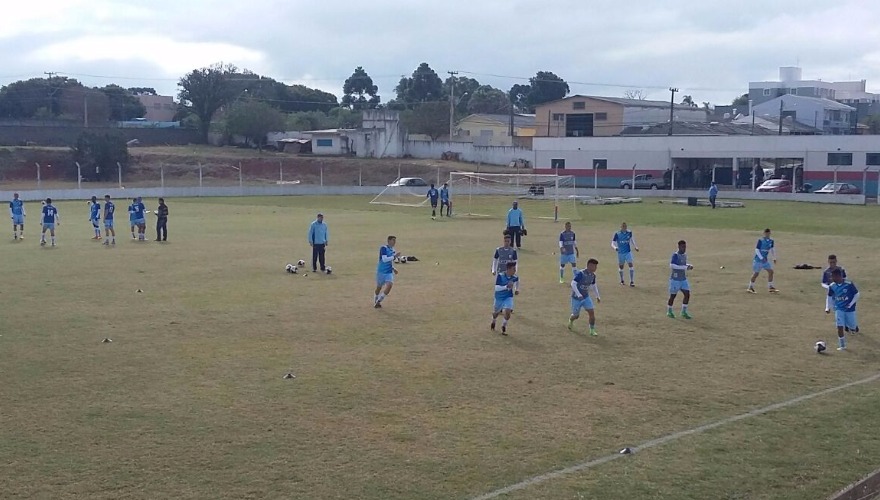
544 196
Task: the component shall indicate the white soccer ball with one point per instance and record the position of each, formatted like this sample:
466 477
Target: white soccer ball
329 270
290 268
403 259
820 346
300 263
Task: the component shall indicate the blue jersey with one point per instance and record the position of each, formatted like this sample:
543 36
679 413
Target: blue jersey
679 259
515 218
386 262
502 279
713 191
444 194
623 238
95 212
826 275
49 214
17 207
567 242
137 209
843 295
109 208
764 246
433 194
584 280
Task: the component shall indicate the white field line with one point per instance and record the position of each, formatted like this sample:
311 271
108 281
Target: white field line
667 438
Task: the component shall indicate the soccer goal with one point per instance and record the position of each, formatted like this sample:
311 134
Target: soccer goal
402 193
545 196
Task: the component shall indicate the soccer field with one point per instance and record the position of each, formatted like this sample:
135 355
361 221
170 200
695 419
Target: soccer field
420 399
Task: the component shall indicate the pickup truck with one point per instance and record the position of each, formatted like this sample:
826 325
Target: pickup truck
644 181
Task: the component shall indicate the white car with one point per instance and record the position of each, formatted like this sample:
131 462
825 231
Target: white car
408 182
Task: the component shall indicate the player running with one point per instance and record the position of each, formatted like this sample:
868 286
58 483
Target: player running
678 281
506 286
826 279
109 231
624 243
568 251
583 282
385 271
17 214
95 217
845 295
433 194
765 250
504 254
50 218
444 200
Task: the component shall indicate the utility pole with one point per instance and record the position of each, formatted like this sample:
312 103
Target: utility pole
781 103
451 102
86 110
672 108
51 75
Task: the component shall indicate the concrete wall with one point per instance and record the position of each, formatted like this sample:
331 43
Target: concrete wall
192 192
491 155
67 135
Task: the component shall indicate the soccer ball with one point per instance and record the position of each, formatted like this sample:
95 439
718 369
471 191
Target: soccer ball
403 259
329 270
300 263
290 268
820 346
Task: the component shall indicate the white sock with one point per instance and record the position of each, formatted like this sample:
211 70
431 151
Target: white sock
770 285
381 297
504 322
751 284
684 308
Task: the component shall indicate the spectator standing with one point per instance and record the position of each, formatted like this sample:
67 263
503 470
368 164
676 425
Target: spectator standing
162 221
319 238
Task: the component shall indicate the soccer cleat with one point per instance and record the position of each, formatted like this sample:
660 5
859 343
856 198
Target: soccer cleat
42 243
841 348
593 332
855 331
492 326
622 283
503 330
571 325
751 290
773 290
378 305
561 280
632 284
670 314
685 315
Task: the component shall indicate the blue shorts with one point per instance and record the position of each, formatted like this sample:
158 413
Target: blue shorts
444 202
675 286
502 304
95 222
108 223
48 225
578 304
623 258
847 319
18 219
758 265
140 222
567 258
382 278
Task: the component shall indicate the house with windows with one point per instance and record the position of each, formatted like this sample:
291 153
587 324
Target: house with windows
160 108
596 116
494 130
832 117
334 141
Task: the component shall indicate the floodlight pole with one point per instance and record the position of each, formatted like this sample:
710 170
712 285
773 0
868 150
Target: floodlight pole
835 177
39 181
119 173
633 185
78 176
162 177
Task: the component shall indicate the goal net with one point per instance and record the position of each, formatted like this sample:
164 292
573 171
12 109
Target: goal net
400 193
544 196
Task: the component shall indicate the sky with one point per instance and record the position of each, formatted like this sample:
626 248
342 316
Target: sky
708 49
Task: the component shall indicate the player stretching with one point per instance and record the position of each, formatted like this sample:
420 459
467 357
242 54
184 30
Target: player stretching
433 194
95 217
16 213
826 279
765 250
568 251
506 286
444 200
624 242
109 209
845 295
504 254
583 282
678 281
385 271
50 218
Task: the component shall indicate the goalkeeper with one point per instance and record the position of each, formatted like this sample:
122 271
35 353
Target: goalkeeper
516 224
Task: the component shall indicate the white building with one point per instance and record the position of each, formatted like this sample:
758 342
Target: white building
830 116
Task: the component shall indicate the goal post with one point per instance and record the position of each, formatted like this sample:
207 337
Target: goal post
402 195
545 196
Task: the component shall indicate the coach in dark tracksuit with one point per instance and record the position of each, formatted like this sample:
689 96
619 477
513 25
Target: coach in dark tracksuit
162 221
318 240
516 224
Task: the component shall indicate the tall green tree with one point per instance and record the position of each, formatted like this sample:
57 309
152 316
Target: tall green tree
142 91
423 86
35 97
545 86
356 90
254 119
488 100
203 91
519 97
123 104
688 101
98 155
742 100
429 118
463 91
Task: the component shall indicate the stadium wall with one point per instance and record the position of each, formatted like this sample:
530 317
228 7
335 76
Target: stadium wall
490 155
48 135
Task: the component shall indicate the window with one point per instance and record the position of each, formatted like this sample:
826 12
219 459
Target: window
872 159
558 117
601 117
766 92
557 163
600 164
835 159
792 91
324 143
579 105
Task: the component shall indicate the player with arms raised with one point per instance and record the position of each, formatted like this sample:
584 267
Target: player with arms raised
845 296
583 283
765 250
385 271
678 281
506 286
623 242
568 251
504 254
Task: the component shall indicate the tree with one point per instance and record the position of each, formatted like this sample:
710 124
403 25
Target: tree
689 101
546 87
253 120
424 85
429 118
204 91
84 105
637 94
742 100
464 89
489 100
35 97
97 156
142 91
123 104
356 89
345 118
519 97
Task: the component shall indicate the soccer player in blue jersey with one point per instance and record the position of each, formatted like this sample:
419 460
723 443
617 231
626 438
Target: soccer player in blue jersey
516 224
845 296
581 285
131 218
678 281
434 195
444 200
109 230
504 254
385 271
95 217
826 279
140 219
568 251
765 251
50 219
17 214
506 286
624 243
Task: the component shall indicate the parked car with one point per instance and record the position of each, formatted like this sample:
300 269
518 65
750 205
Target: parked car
644 181
775 186
838 188
408 182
